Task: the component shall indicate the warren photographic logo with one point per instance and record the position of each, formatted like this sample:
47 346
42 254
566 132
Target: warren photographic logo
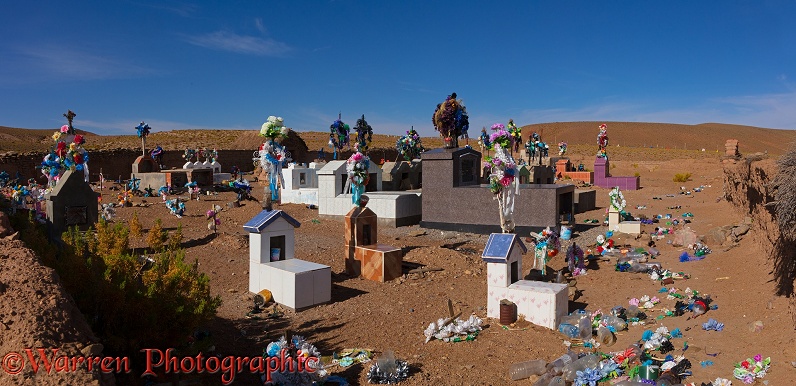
228 366
43 360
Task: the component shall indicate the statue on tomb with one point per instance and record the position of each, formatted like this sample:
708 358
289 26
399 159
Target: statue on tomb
451 120
272 155
409 146
339 135
502 177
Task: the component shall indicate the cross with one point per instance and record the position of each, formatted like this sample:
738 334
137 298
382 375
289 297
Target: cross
70 115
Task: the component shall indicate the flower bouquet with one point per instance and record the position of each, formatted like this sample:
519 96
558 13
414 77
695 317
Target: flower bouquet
502 181
409 145
339 135
451 120
602 141
272 153
752 368
274 128
364 134
310 373
68 154
516 135
562 148
357 167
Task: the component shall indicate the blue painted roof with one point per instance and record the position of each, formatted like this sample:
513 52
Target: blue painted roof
265 218
499 246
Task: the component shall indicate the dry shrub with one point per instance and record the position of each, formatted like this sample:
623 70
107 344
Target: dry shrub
785 211
156 238
135 225
682 177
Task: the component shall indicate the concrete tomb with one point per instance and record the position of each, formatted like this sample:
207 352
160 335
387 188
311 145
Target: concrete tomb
294 283
71 203
541 303
451 192
365 257
603 178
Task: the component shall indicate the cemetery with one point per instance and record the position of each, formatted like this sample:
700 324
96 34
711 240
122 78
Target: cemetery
490 243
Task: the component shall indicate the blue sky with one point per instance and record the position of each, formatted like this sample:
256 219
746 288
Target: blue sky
231 64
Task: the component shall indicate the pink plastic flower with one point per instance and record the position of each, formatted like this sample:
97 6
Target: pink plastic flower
506 181
357 156
633 302
655 300
758 358
64 128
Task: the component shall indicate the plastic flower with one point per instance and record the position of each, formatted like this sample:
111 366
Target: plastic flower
589 376
56 136
758 358
65 129
79 139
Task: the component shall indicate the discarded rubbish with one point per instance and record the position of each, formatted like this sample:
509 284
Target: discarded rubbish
752 368
526 369
454 330
756 326
388 370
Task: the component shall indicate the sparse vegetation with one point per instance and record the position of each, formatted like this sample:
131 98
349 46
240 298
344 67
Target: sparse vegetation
126 301
685 177
135 225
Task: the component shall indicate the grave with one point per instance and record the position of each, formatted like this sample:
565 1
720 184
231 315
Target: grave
564 169
615 223
542 303
392 208
301 183
365 257
401 176
451 188
71 203
603 178
145 164
585 200
294 283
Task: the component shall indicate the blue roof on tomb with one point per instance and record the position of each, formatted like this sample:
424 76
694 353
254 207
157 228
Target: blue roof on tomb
265 218
498 247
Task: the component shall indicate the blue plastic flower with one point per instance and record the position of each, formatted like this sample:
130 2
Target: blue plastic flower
646 335
676 333
712 324
588 377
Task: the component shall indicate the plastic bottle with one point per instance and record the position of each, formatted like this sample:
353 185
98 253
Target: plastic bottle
605 336
557 381
632 311
617 323
667 379
698 308
557 365
570 370
524 370
544 379
568 330
585 327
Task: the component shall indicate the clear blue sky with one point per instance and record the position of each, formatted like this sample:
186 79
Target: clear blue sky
231 64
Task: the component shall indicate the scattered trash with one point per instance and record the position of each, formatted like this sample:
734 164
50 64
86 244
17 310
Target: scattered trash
752 368
291 350
348 357
454 330
756 326
713 325
388 370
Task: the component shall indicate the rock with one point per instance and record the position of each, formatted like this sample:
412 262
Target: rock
740 230
92 350
716 236
5 225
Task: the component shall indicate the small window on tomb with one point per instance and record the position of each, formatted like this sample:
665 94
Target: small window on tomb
277 248
367 237
302 179
372 185
515 272
468 171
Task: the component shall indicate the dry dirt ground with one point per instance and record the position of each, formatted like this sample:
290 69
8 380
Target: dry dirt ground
393 315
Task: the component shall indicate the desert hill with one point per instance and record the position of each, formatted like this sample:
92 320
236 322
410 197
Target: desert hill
708 136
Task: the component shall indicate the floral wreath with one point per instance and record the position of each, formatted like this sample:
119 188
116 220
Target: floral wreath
409 145
188 154
364 133
617 199
562 148
357 167
143 129
752 368
68 154
450 118
339 134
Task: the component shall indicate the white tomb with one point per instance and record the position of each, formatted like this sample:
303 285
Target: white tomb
294 283
629 227
541 303
301 183
392 208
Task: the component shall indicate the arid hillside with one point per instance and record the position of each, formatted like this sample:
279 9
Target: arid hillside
708 136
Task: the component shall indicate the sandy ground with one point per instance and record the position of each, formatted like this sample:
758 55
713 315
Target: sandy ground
393 315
